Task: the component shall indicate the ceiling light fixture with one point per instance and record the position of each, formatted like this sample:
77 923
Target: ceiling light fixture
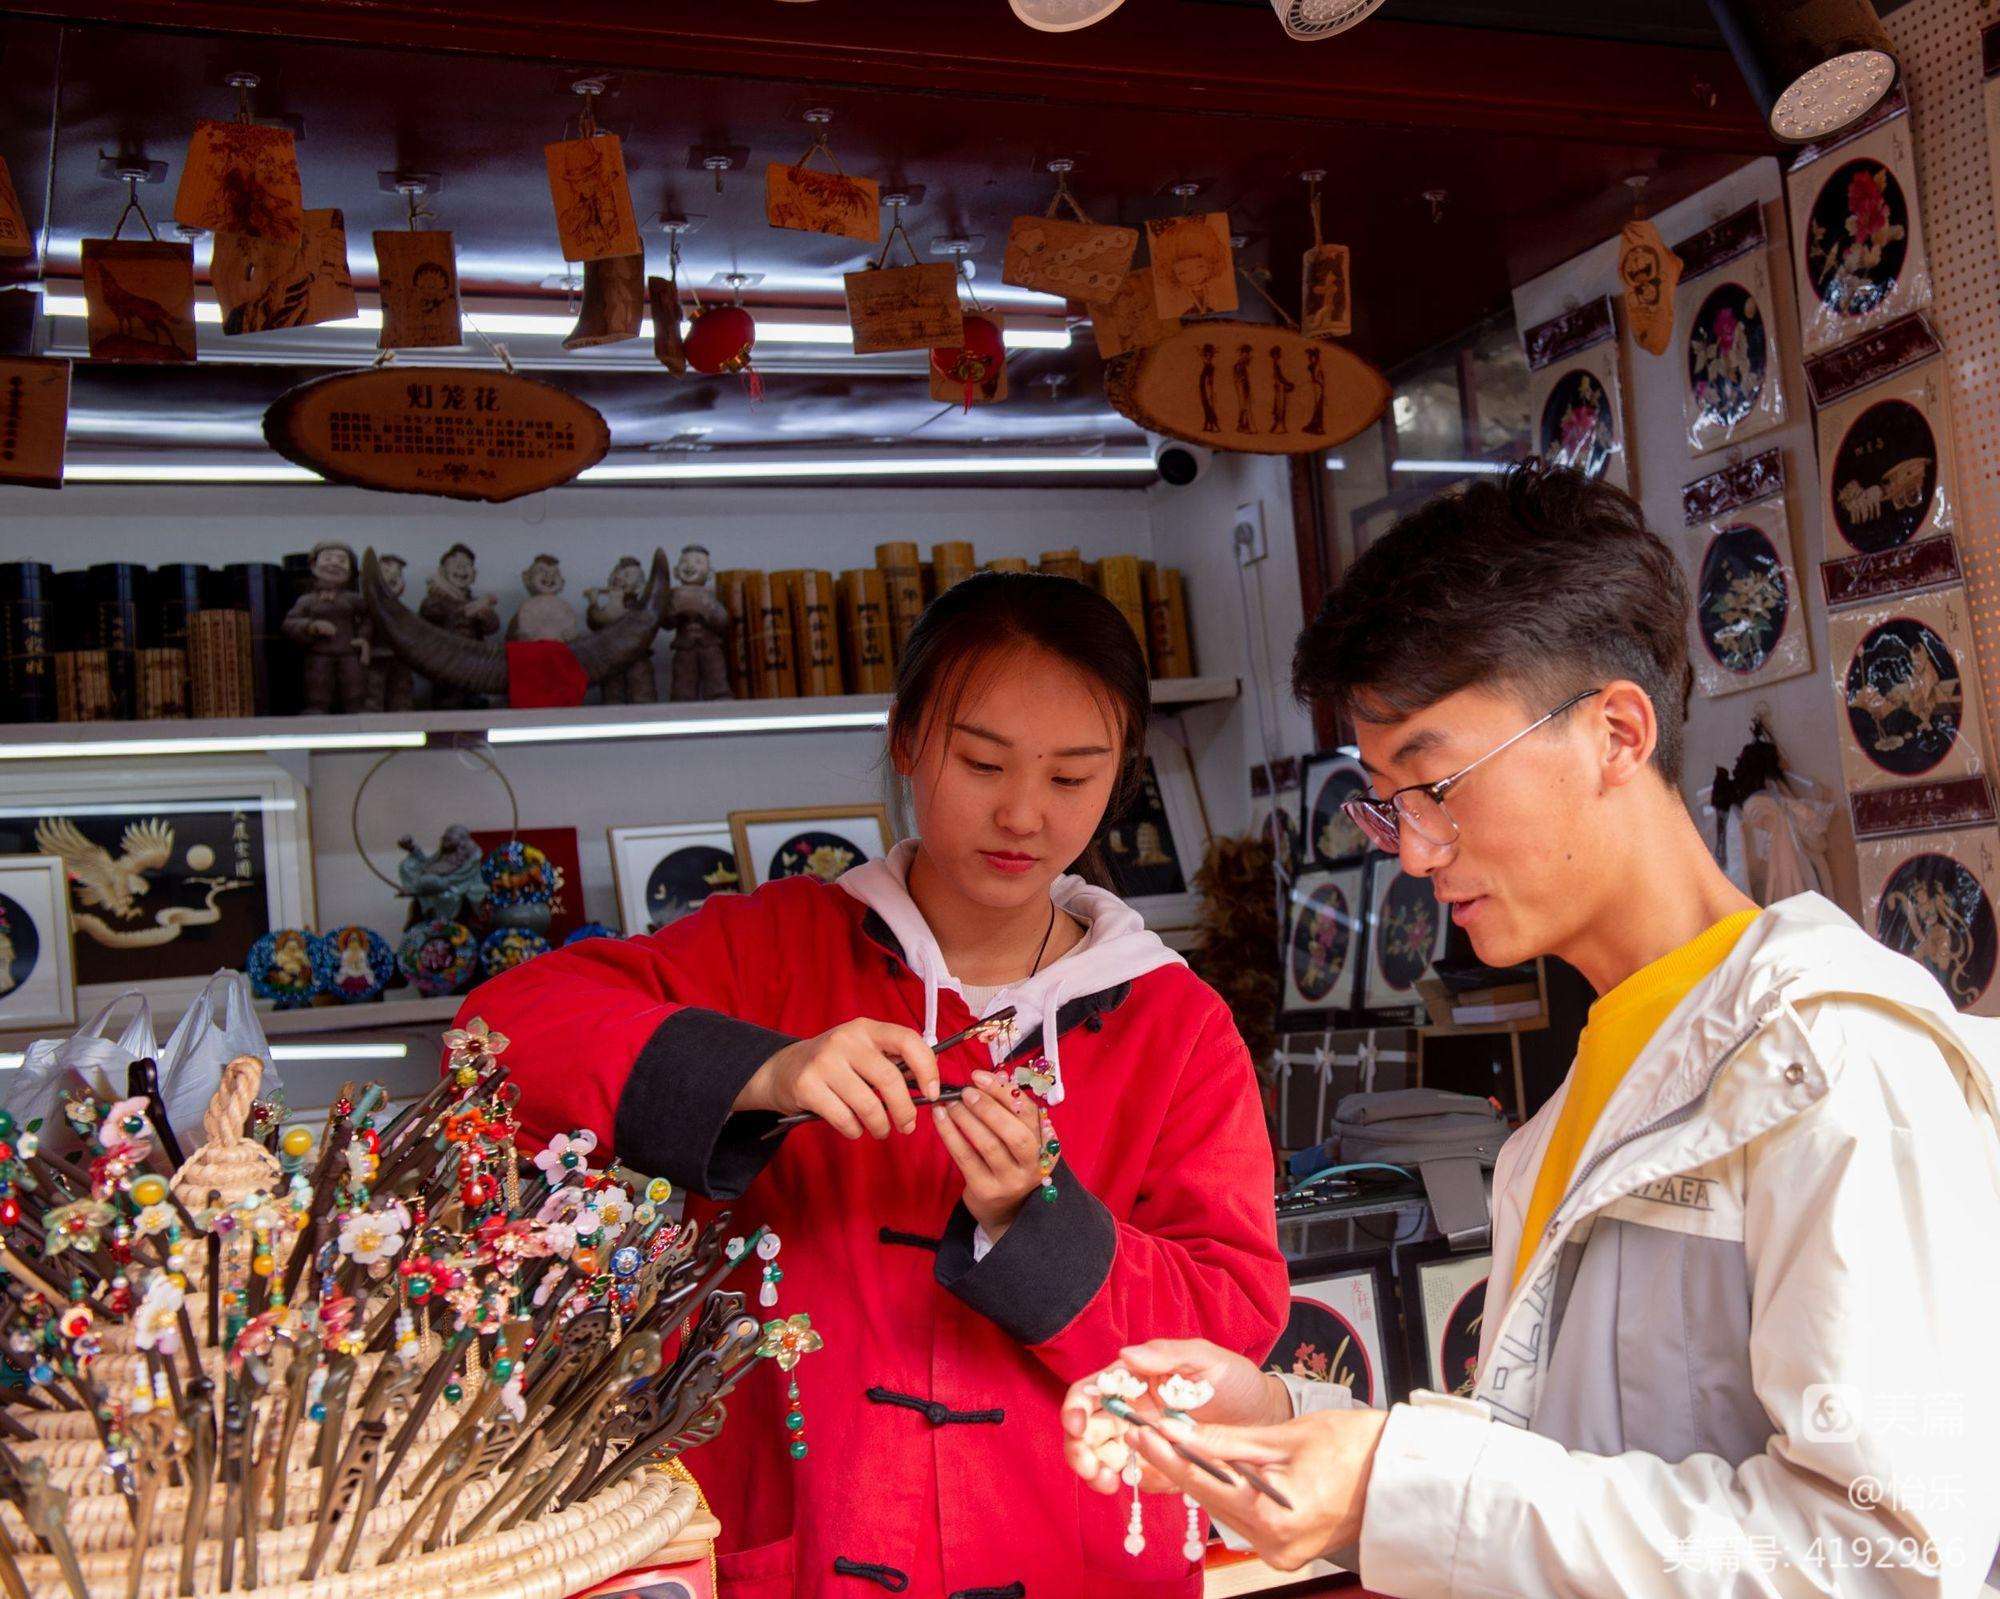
699 727
1322 19
27 749
1063 16
1455 468
1813 68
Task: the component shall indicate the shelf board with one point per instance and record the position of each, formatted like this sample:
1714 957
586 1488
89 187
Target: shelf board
584 723
425 1013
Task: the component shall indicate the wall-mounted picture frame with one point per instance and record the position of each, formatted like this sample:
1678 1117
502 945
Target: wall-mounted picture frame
1407 929
1577 394
1444 1305
175 867
1325 937
1341 1330
1888 473
1906 681
37 967
660 874
1931 897
1327 838
1154 850
1728 355
823 841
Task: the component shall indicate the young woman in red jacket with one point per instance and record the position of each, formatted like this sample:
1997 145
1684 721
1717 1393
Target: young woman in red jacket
958 1297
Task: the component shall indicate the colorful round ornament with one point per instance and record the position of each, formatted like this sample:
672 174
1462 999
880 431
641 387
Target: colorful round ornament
972 362
439 957
507 947
591 930
288 966
361 964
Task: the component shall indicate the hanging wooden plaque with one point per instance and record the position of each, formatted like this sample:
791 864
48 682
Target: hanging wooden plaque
1130 319
904 308
1250 387
807 201
1194 265
275 283
947 390
34 420
593 200
1326 305
1650 273
241 177
139 295
614 302
418 274
1080 260
458 434
667 348
14 236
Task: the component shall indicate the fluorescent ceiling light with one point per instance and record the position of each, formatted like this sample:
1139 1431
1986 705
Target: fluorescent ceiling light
760 469
340 1051
1455 468
794 722
249 744
187 472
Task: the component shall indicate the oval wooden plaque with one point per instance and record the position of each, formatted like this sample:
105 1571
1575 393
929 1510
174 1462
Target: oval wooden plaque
1248 386
462 434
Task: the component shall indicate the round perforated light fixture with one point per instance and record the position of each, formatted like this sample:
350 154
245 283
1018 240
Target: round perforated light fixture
1322 19
1061 16
1813 66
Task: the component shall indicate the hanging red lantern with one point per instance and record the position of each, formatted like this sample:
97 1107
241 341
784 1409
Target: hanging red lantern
976 359
719 340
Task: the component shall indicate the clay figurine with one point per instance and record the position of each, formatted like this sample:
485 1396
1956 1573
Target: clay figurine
701 625
445 886
450 604
544 614
331 625
634 684
391 683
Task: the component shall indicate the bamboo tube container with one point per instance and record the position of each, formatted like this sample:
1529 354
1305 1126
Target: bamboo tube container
952 562
769 606
815 632
864 631
729 588
898 564
1063 563
1168 645
1009 563
161 682
83 686
220 681
1118 580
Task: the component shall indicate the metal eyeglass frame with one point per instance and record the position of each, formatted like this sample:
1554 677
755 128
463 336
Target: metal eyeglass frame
1381 820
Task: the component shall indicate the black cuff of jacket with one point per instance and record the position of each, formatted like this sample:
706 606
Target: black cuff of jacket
676 1116
1047 1266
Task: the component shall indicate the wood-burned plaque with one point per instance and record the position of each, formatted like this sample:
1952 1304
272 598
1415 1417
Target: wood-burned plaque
459 434
1248 386
14 238
139 296
284 283
418 273
806 201
1081 260
904 308
592 198
34 419
1194 264
241 177
1326 293
1130 319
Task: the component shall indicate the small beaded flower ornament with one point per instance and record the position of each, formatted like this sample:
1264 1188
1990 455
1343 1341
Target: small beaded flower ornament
1180 1396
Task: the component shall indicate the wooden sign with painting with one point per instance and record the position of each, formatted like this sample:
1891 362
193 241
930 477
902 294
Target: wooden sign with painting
418 275
664 296
593 200
904 308
1248 386
447 431
241 177
1130 319
1650 273
139 295
1326 299
276 283
807 201
14 236
34 420
614 302
1079 260
1194 265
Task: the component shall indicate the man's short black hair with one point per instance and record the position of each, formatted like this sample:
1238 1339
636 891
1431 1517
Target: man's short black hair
1543 583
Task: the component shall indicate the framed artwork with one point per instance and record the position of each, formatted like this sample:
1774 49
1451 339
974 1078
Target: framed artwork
1338 1332
1450 1295
1907 681
37 969
1407 928
1886 463
175 868
1577 393
1857 233
1931 897
1323 946
1748 626
1729 360
1271 791
1327 837
820 841
662 873
1157 847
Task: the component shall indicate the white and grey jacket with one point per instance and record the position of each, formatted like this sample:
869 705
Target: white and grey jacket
1754 1351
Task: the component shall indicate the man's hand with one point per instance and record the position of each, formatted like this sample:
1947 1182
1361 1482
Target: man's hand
1244 1397
1321 1462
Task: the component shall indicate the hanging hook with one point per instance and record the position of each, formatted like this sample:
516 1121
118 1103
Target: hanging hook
1637 184
1437 198
586 119
1312 179
132 176
1184 191
243 83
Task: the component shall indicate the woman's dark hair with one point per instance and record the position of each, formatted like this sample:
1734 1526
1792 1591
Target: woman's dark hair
995 611
1543 583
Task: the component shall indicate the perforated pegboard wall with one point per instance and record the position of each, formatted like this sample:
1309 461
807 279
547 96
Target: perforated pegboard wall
1938 42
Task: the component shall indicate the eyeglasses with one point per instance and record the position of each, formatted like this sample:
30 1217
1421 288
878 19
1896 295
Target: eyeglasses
1420 807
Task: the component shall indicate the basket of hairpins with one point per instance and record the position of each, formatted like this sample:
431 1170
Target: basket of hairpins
298 1356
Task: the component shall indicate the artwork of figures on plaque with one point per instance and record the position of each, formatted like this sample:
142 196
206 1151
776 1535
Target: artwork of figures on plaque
1322 944
1331 838
1749 621
1930 897
1155 848
1884 476
1858 235
1908 682
1334 1335
1406 932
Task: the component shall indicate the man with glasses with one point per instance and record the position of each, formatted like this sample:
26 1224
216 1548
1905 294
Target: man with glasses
1745 1295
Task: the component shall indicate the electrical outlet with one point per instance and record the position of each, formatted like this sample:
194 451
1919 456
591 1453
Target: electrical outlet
1252 544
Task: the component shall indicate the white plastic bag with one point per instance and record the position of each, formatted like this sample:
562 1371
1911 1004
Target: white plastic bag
220 1025
99 1061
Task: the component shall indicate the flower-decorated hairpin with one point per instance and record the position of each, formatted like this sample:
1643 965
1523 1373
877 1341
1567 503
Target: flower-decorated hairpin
787 1342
